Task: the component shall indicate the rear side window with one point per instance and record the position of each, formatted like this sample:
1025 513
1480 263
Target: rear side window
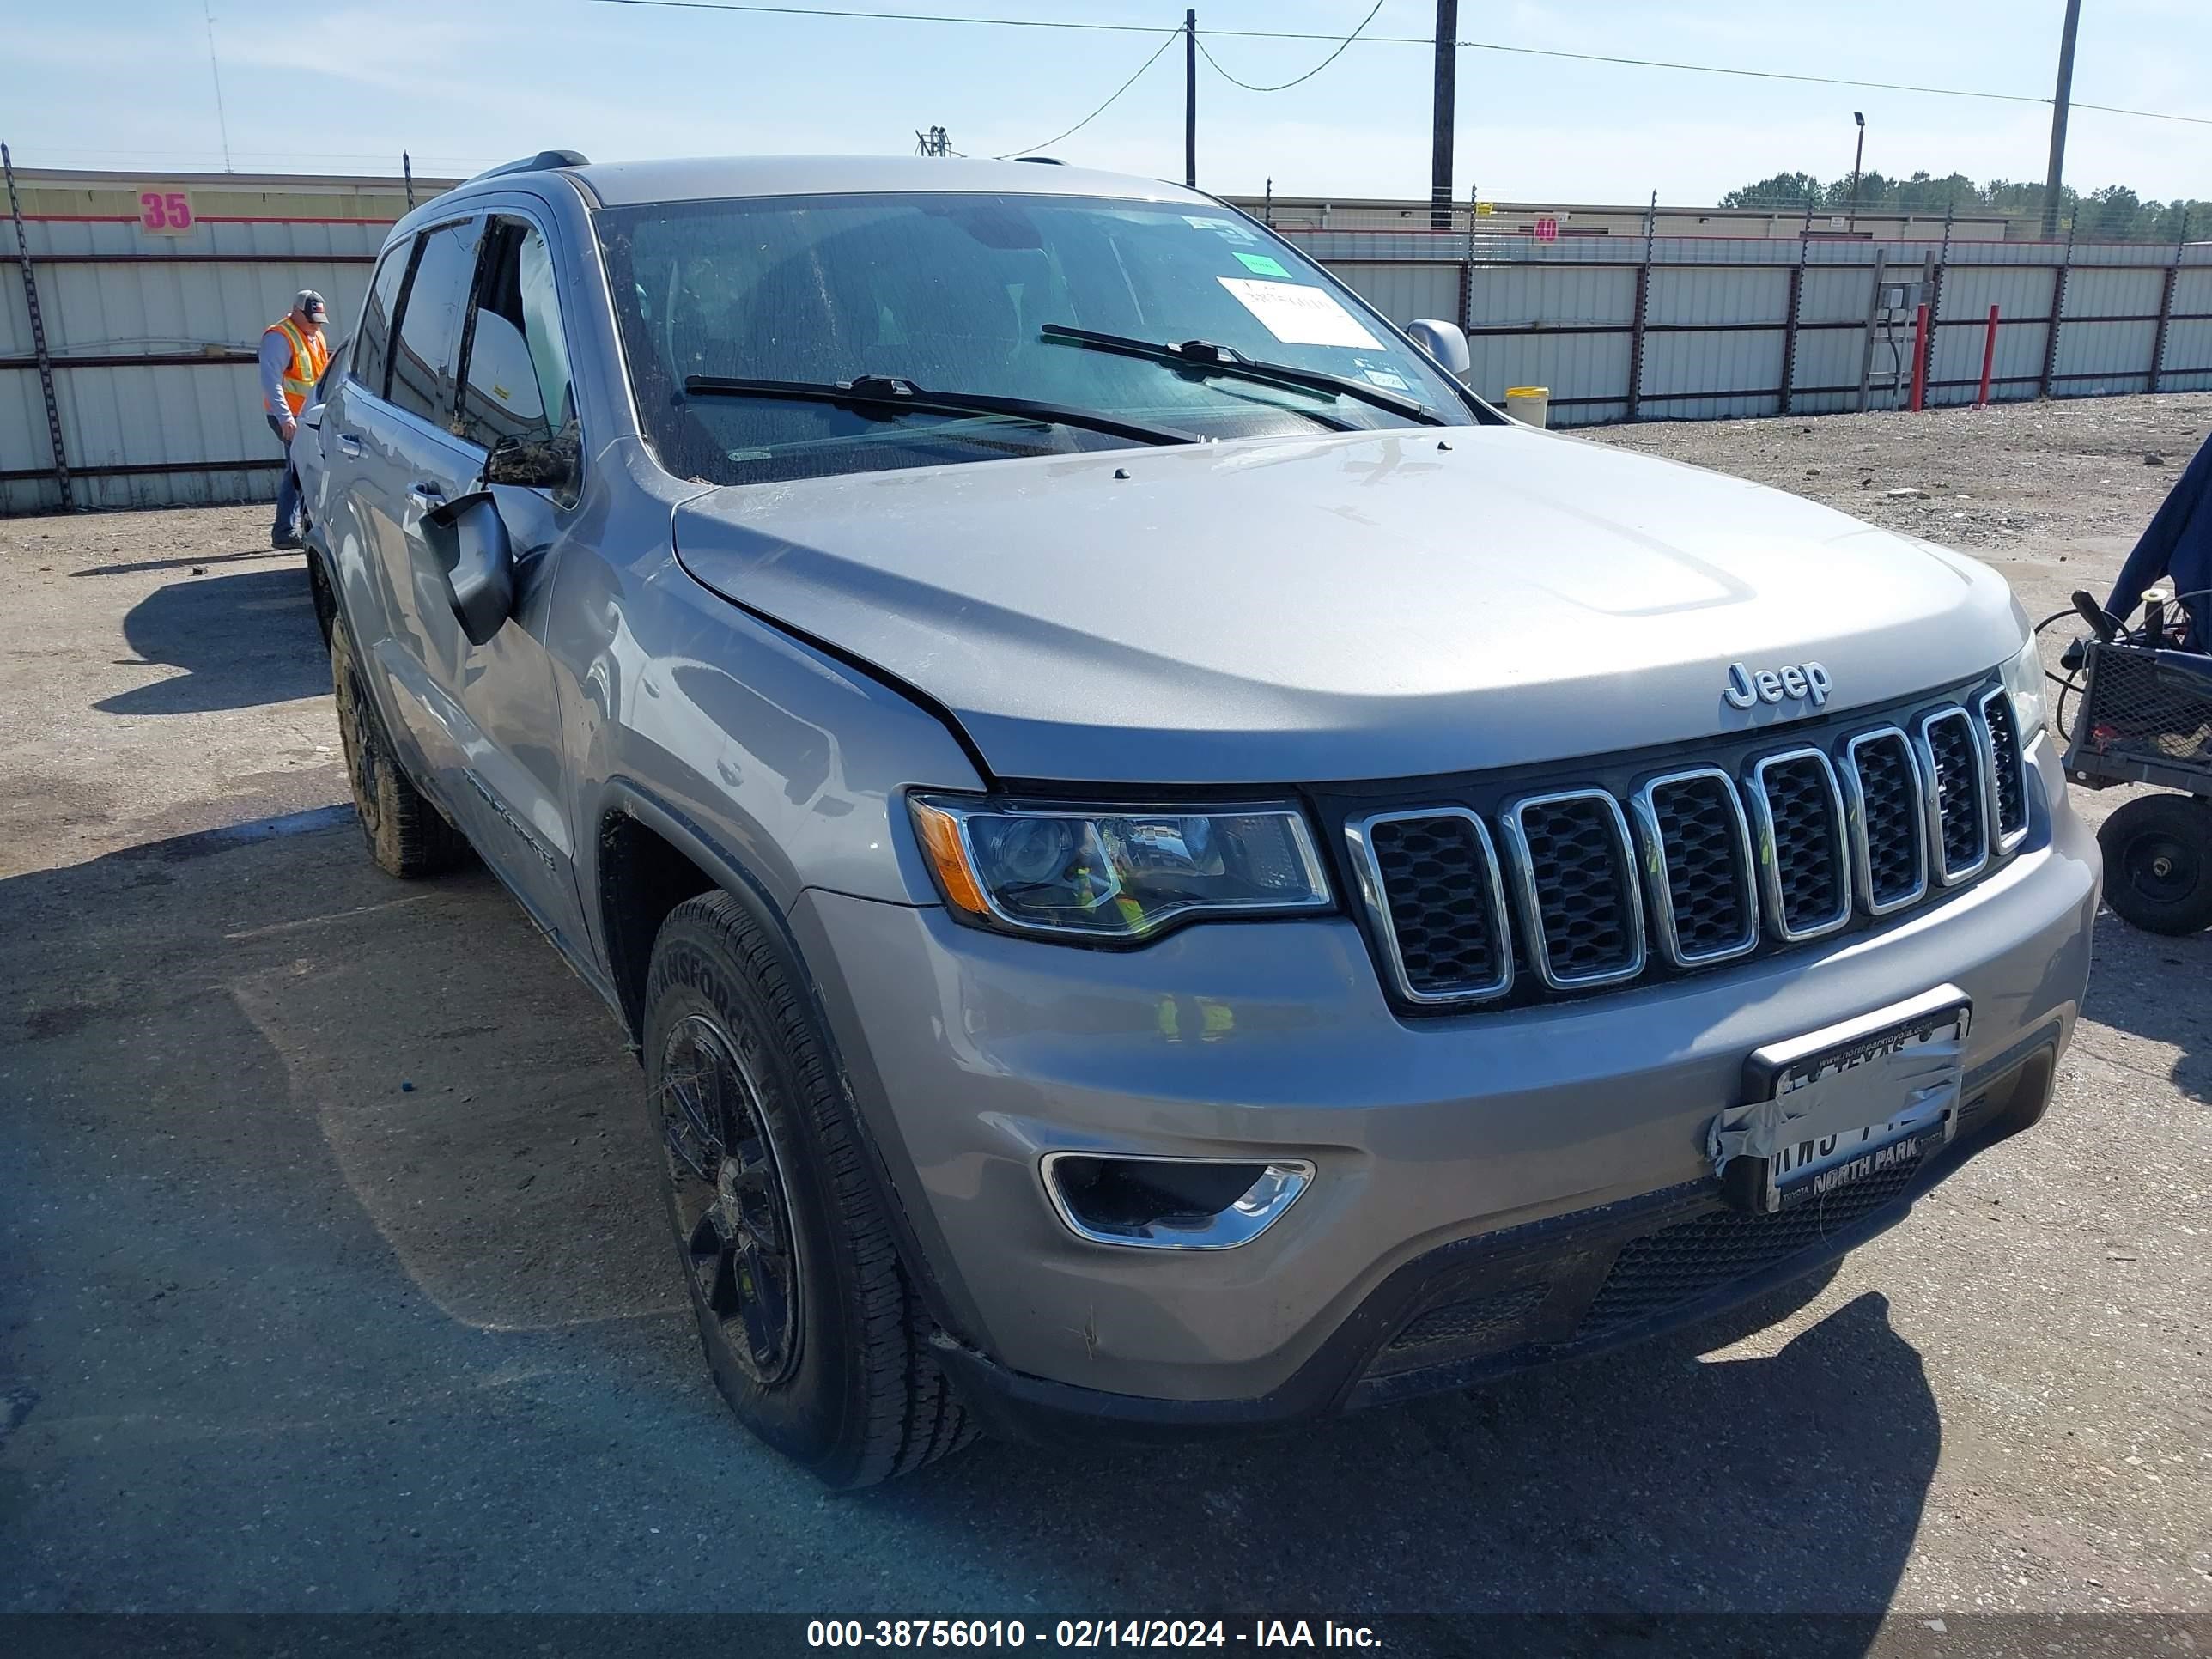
517 382
427 346
372 345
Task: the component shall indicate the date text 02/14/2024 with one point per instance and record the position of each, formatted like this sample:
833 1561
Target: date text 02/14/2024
1086 1633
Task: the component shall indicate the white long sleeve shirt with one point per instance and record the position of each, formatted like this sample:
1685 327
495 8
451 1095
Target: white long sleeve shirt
276 358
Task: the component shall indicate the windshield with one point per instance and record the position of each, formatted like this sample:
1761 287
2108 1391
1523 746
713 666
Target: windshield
953 293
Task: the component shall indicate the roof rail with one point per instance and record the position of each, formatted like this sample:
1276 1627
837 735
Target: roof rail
544 161
1042 160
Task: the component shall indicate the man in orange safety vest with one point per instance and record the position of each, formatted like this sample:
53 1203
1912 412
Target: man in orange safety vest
293 356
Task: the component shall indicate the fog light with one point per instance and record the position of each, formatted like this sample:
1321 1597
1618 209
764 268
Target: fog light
1172 1203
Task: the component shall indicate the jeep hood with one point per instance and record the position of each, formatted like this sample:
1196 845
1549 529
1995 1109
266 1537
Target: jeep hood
1356 607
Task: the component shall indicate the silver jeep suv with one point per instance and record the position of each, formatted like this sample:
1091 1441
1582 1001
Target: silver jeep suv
1168 867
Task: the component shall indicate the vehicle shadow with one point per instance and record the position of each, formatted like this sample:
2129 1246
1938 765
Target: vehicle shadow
2152 987
1648 1481
345 1285
244 639
186 561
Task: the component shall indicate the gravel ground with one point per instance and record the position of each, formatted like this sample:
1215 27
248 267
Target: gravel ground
2016 477
330 1279
152 671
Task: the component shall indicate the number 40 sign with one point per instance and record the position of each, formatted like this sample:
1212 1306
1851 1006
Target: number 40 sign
165 213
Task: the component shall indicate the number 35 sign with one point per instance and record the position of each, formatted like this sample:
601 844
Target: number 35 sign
165 213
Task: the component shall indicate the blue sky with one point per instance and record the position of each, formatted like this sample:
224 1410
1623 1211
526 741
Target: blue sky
343 87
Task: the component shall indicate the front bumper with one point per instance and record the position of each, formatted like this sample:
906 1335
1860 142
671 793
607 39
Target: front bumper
1480 1178
1531 1296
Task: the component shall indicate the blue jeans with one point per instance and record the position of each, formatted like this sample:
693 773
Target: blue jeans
287 527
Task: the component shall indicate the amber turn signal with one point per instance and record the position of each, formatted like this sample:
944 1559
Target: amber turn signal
940 839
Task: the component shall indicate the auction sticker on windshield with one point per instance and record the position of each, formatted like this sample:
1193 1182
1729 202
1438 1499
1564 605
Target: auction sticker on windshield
1219 226
1300 316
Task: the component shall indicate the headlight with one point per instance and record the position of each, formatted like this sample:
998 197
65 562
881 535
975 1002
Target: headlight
2023 683
1117 873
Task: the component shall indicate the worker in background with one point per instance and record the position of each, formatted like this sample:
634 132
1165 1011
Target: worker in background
293 354
2178 543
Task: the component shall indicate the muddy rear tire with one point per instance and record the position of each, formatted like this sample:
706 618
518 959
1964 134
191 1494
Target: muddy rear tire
406 836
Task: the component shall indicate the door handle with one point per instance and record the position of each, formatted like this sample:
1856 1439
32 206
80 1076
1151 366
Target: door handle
349 445
425 495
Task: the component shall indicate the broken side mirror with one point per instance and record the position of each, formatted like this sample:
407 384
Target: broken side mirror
471 542
1444 342
550 464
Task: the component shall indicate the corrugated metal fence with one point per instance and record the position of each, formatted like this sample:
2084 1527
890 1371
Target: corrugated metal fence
153 339
153 353
1702 328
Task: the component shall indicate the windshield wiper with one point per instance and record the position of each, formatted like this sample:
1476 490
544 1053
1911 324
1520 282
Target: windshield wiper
888 394
1203 357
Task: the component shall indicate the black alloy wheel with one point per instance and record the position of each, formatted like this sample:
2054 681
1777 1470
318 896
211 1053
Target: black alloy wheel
812 1328
733 1210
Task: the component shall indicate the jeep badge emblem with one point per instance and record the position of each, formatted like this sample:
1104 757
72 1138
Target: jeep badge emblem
1745 687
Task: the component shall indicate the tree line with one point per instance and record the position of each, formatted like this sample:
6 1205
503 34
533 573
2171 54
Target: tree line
2114 213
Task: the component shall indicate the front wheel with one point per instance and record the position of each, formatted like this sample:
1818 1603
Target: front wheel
2158 863
815 1337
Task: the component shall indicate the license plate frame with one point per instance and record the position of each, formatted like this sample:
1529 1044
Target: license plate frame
1826 1111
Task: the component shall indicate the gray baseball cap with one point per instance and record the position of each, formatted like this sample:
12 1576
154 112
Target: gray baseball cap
309 304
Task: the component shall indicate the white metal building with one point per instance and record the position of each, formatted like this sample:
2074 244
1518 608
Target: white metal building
154 291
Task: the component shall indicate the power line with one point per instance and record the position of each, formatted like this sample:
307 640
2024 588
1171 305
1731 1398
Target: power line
890 16
1286 86
1789 75
1171 38
2146 114
1785 74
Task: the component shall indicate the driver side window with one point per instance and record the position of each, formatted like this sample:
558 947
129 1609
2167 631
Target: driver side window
428 340
372 345
517 383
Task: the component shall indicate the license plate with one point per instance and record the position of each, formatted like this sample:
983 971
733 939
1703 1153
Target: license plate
1836 1108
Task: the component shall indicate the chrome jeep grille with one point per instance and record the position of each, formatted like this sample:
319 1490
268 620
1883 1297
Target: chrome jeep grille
1698 850
1431 879
1952 756
1798 808
1889 844
1692 866
2007 774
1582 911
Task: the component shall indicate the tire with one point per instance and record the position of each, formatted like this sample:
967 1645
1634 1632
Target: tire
814 1335
319 589
405 834
2158 863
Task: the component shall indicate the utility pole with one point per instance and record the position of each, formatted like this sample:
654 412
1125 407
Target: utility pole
2058 104
1190 100
1440 143
1857 156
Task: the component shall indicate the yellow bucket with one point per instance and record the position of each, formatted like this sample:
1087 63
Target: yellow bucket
1530 403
